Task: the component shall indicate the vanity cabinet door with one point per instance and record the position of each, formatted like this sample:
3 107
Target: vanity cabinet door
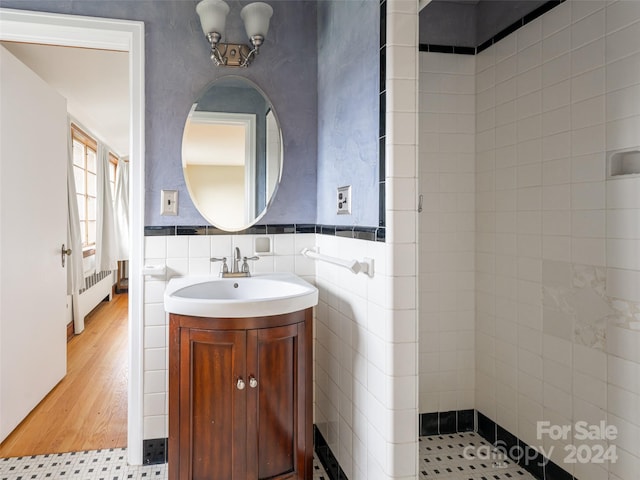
276 406
212 405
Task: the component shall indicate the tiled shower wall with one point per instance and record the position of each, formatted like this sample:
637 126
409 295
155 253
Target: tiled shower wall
557 258
365 363
447 232
366 345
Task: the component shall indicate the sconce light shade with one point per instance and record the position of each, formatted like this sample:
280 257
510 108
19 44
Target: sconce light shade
213 15
256 19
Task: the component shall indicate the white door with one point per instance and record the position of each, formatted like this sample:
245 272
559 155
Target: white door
33 225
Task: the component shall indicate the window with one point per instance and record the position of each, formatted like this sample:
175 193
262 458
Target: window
85 169
84 172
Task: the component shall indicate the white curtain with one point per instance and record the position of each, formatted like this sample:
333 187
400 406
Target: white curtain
106 247
121 207
75 273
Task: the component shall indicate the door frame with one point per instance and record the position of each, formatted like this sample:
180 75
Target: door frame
127 36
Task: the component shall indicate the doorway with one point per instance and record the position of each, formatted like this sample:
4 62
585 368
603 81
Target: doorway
127 36
87 410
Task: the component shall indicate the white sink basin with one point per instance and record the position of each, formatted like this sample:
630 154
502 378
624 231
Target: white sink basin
255 296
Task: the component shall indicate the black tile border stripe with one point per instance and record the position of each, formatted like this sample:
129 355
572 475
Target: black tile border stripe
154 451
533 462
382 127
529 17
326 456
373 234
456 421
436 423
460 421
428 47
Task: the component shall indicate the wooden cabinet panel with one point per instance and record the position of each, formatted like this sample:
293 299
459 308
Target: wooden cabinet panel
262 431
215 408
273 358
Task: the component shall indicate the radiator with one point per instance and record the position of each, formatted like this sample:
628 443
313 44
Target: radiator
97 287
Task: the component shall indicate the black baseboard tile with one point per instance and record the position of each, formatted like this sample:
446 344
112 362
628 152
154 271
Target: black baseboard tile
428 424
154 451
531 460
466 420
486 428
526 456
447 422
508 442
442 423
326 456
553 471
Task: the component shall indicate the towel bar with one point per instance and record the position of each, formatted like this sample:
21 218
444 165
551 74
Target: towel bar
355 266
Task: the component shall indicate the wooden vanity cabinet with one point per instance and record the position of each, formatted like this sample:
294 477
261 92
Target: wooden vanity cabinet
240 398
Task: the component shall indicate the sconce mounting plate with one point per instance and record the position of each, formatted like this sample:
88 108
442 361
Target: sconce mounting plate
232 54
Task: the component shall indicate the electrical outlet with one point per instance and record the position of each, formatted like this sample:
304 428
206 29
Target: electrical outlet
344 200
168 202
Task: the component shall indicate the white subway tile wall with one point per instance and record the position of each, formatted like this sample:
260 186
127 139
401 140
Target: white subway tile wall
190 255
557 257
366 343
446 228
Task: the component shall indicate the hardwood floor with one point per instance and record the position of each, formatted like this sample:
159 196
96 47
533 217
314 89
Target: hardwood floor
87 410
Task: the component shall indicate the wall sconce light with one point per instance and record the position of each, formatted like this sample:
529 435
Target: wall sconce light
213 16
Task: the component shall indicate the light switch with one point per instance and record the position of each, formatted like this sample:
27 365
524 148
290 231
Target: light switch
169 202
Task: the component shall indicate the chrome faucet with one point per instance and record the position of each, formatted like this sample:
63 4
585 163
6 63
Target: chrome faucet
236 269
236 259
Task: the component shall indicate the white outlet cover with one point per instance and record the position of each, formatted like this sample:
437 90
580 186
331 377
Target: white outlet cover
343 200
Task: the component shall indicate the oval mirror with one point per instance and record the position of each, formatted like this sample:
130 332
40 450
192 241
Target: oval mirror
232 153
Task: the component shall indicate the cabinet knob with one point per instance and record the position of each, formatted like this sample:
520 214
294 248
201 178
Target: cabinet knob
240 384
253 383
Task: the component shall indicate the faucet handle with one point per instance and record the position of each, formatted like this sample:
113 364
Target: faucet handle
245 265
224 268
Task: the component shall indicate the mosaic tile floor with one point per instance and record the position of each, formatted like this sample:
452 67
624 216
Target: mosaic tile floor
453 457
442 457
108 464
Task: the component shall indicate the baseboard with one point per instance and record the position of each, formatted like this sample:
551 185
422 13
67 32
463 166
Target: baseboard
326 456
527 457
155 451
70 331
436 423
440 423
443 423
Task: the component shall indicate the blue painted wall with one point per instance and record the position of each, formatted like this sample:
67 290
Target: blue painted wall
448 23
178 70
469 24
348 111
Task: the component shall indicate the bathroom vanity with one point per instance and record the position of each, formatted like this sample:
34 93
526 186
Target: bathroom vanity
240 397
240 390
